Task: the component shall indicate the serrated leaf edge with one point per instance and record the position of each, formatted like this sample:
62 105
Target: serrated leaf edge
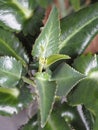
44 27
76 82
50 109
43 125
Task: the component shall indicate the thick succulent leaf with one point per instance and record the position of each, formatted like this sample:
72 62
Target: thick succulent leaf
78 29
86 91
9 45
13 13
55 122
53 58
66 78
46 91
48 41
75 4
10 72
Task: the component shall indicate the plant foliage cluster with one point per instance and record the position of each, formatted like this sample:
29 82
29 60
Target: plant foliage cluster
65 81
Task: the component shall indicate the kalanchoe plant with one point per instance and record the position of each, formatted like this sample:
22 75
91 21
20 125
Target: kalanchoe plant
65 81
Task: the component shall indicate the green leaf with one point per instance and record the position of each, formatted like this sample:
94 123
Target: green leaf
88 117
86 91
46 92
48 41
32 25
74 116
55 122
66 78
10 72
75 4
9 45
8 101
85 63
44 3
26 96
8 110
53 58
13 13
12 91
78 29
12 99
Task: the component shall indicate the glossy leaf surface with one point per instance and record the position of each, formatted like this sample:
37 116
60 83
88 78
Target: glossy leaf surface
8 101
13 13
78 29
86 91
48 41
10 72
12 100
86 64
66 78
9 45
46 91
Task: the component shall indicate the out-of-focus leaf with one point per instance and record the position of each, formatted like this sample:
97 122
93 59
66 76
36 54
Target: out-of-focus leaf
13 13
78 29
44 3
26 96
32 25
88 117
32 124
46 92
66 78
12 100
61 118
10 72
8 101
48 41
85 64
86 91
53 58
75 4
9 45
74 117
32 4
55 122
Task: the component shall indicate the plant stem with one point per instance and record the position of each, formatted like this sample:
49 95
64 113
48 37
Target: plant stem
28 81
